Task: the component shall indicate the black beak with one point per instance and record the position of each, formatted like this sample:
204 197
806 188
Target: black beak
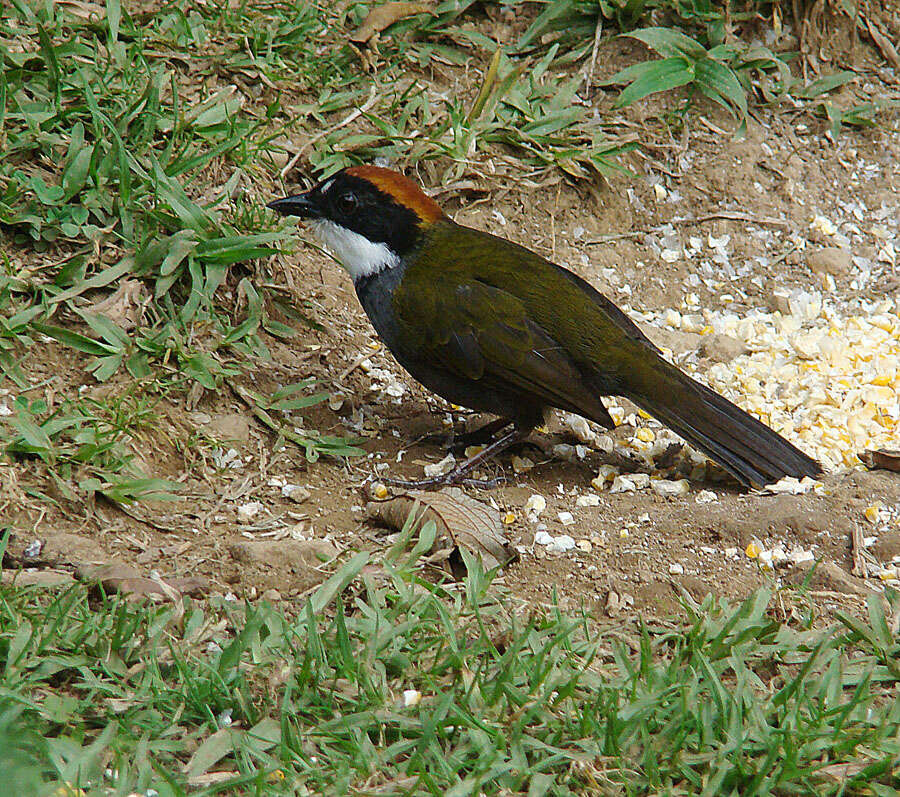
301 205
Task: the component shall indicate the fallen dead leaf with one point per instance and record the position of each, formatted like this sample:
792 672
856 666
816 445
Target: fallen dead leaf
119 704
211 778
461 522
882 458
93 12
842 772
384 16
129 582
125 307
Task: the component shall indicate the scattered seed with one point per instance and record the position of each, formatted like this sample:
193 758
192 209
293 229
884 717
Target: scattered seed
379 491
534 506
522 464
670 489
440 468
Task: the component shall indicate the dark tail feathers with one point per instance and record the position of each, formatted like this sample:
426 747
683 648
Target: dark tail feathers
744 446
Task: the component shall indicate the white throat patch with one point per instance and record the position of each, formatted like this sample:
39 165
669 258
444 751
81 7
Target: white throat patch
360 256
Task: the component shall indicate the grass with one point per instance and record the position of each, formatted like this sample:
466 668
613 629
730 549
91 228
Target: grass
401 686
137 152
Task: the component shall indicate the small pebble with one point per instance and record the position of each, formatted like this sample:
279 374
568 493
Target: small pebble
295 492
246 512
562 544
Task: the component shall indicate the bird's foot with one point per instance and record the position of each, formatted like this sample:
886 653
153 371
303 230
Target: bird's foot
457 443
450 479
459 474
477 437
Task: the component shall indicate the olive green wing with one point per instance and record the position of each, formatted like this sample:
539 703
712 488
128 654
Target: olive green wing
483 333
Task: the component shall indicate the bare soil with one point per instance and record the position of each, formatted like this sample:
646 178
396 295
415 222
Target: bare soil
784 169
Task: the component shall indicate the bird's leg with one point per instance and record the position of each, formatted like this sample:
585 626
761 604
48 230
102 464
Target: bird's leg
480 436
460 442
458 474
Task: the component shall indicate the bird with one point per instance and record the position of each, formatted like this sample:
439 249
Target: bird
491 325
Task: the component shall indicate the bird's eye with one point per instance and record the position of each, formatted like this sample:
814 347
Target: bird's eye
347 203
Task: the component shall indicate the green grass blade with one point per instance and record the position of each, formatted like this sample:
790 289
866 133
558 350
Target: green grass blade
655 76
670 43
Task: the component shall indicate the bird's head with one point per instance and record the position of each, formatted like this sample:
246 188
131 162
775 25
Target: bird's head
369 217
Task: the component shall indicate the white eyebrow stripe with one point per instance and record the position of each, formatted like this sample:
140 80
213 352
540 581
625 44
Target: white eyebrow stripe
326 185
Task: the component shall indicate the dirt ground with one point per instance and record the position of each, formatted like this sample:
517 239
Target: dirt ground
635 551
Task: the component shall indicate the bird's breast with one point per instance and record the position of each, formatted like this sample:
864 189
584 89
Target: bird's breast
377 296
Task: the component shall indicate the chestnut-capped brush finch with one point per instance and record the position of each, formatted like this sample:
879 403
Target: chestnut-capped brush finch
490 325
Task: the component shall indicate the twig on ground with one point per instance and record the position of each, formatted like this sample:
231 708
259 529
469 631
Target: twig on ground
592 64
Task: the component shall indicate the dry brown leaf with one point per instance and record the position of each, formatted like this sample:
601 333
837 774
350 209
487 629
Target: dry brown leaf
125 307
211 778
461 522
384 16
882 458
92 12
119 704
842 772
129 582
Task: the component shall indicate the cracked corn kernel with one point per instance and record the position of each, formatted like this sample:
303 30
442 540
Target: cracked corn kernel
826 380
872 513
379 490
509 517
645 435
